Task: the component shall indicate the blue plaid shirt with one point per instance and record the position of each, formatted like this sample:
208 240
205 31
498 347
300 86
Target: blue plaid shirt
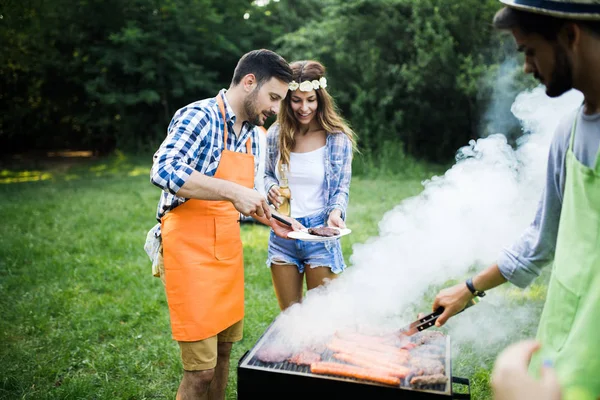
338 167
195 142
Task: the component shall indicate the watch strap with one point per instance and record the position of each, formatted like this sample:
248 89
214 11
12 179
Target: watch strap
472 289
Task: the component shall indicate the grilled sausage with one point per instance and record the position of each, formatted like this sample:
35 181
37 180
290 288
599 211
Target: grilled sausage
428 380
391 369
350 371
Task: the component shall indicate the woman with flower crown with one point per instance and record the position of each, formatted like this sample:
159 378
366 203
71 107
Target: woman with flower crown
309 150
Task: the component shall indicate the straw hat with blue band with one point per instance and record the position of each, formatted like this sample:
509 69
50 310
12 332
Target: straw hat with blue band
570 9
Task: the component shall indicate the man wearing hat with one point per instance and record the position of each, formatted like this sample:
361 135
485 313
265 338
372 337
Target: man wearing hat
561 43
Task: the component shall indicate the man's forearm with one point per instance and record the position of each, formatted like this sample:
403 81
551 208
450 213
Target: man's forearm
202 187
488 278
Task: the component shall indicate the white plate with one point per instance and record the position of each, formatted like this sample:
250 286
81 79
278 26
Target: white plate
307 237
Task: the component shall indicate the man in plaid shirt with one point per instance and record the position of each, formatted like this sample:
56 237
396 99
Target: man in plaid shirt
206 167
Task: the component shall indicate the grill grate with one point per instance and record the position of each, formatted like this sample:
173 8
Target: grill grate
272 380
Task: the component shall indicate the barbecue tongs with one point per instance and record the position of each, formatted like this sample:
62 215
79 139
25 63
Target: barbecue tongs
429 320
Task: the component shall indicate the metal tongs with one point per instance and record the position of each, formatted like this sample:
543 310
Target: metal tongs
278 218
429 320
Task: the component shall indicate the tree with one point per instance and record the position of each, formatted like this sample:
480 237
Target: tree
405 70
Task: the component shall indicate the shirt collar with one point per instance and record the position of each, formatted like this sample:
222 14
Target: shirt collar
229 114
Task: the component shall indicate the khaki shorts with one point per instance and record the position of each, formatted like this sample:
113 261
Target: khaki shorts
202 355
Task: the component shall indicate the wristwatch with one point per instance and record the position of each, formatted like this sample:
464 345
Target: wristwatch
471 288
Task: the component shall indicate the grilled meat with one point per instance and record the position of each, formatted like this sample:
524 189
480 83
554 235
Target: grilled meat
352 371
429 337
305 357
429 351
273 354
426 366
324 231
427 380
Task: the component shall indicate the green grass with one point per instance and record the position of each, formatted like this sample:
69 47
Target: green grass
82 317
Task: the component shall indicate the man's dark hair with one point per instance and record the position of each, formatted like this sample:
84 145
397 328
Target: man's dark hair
264 64
545 25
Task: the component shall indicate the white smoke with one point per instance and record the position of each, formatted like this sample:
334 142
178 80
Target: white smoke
498 116
459 222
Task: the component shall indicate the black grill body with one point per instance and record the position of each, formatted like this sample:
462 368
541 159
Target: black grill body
265 381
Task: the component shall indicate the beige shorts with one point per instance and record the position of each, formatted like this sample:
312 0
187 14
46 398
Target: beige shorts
202 355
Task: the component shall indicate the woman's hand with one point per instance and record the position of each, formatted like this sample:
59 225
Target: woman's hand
297 226
335 219
274 196
282 230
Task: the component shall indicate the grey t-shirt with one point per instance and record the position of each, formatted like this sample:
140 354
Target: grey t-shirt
521 263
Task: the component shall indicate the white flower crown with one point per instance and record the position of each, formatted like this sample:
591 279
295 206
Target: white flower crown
307 86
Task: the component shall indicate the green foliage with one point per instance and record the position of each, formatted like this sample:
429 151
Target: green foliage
105 74
148 64
405 71
100 75
391 160
82 317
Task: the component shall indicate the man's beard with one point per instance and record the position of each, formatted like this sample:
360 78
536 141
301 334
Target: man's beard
250 109
561 80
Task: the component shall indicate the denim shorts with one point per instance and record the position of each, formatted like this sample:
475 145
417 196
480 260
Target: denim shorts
301 253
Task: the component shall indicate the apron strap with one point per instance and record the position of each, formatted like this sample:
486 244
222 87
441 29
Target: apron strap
573 129
222 109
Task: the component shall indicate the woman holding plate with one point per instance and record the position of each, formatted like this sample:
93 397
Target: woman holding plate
309 153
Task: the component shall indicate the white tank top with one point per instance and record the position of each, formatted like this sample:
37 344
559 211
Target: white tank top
306 179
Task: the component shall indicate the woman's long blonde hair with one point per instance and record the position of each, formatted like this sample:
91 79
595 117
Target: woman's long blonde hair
327 116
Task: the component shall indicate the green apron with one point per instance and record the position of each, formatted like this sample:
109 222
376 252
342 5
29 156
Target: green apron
569 329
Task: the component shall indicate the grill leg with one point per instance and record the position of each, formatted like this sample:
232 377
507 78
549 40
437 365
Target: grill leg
461 381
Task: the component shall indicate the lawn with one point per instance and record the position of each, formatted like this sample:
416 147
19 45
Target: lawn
82 316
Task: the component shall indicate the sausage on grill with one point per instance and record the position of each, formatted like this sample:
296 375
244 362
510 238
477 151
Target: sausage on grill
427 380
351 371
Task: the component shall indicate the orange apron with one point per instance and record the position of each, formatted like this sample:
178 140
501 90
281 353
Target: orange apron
203 255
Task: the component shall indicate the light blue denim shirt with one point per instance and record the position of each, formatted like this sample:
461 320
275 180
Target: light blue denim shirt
522 262
338 167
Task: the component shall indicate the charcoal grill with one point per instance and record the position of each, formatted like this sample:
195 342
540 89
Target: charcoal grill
260 380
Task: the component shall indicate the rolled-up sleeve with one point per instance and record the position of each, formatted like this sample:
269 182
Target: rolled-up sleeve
522 262
172 161
270 178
